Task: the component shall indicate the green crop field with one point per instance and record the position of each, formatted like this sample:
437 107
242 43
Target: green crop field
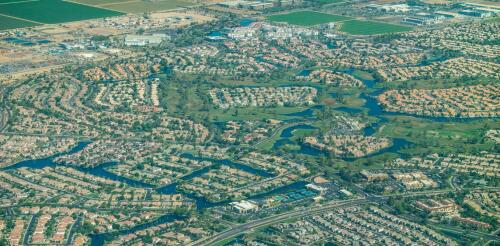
52 11
307 18
11 1
99 2
142 6
136 6
10 23
358 27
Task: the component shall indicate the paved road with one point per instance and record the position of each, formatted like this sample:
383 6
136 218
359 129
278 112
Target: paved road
315 210
277 218
72 231
31 224
476 234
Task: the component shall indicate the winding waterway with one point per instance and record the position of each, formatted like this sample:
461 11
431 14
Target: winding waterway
371 105
373 109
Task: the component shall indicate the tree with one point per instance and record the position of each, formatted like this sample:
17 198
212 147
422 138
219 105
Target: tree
85 229
148 238
140 166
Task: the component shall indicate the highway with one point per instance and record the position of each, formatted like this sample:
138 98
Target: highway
476 234
277 218
318 209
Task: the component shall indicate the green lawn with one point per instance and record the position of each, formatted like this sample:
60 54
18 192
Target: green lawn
54 11
363 75
307 18
11 23
350 100
493 19
298 133
438 136
358 27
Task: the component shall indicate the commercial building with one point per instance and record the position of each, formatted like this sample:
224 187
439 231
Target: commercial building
346 192
423 19
231 4
448 15
143 40
245 206
253 5
476 13
316 188
396 8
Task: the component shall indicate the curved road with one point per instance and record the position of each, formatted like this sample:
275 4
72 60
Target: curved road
277 218
312 211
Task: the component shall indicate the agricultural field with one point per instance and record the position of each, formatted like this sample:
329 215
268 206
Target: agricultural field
136 6
52 11
307 18
358 27
99 2
8 1
10 23
236 124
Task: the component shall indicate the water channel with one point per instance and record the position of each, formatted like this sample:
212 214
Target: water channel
371 105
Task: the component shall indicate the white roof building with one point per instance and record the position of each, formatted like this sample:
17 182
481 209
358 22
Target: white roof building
142 40
345 192
245 206
316 187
